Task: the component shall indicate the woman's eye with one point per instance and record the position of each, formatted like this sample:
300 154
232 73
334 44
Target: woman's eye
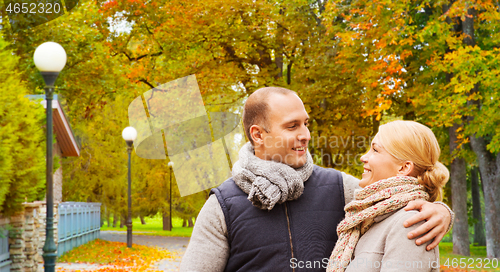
306 124
292 126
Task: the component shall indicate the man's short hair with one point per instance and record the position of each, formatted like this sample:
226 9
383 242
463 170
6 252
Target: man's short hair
256 108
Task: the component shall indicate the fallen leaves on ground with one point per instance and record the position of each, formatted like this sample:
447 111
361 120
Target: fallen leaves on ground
116 256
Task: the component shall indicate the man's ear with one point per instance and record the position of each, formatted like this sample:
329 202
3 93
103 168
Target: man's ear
406 168
256 134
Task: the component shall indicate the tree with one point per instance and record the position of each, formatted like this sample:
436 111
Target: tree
22 137
458 179
474 84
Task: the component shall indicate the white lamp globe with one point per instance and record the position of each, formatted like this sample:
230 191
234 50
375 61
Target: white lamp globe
50 57
129 134
171 164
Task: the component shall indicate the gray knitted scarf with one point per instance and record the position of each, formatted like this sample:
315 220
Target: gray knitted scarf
268 183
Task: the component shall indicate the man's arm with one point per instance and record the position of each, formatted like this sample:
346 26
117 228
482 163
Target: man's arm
208 248
438 217
350 184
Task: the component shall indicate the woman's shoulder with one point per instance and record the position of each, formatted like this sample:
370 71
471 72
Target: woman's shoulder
399 216
396 234
390 226
387 242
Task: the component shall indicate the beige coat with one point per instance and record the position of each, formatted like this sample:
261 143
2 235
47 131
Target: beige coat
385 247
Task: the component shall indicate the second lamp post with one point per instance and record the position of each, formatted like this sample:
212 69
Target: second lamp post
170 166
129 134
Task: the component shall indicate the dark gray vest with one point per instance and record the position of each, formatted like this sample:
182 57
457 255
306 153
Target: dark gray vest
297 234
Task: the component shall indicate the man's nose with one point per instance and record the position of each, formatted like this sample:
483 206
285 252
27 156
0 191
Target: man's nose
304 134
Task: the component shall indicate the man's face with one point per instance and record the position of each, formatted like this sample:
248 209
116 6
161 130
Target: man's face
288 137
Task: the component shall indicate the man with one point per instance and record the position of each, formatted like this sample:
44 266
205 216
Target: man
279 211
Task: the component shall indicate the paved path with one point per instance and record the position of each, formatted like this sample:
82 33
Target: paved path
171 243
174 244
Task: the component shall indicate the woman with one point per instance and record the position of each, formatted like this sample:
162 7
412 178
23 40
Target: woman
402 165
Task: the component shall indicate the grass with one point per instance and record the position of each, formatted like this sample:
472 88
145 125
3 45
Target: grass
154 226
476 262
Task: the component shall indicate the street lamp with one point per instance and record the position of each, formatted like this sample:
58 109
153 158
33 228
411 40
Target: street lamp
50 59
170 165
129 134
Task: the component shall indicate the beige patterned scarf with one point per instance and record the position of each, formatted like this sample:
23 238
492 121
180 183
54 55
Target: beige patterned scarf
381 197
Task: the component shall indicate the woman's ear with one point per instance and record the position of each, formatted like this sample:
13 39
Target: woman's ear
256 134
406 168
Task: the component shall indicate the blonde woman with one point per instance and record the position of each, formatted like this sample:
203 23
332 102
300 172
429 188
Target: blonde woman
402 165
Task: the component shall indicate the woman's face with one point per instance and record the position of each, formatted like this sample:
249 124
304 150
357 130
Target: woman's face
378 164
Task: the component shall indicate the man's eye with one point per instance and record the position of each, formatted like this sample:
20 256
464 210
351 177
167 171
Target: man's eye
306 124
292 126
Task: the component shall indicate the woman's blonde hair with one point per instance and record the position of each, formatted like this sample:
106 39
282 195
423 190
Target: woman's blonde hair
411 141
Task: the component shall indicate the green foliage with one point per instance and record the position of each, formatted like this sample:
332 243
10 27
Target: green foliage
477 259
355 64
22 138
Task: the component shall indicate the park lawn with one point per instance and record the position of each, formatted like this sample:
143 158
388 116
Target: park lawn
476 262
154 226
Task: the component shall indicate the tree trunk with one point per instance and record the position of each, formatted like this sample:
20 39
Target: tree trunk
167 225
489 165
278 53
490 179
122 221
108 217
184 223
143 222
458 179
115 220
190 222
458 175
289 73
479 238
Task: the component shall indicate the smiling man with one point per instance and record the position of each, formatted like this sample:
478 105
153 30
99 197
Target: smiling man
287 137
279 211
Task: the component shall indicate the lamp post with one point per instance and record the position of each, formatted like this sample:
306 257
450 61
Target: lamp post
129 134
170 165
50 59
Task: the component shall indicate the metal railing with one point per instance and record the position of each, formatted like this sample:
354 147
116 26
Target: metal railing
4 252
79 223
